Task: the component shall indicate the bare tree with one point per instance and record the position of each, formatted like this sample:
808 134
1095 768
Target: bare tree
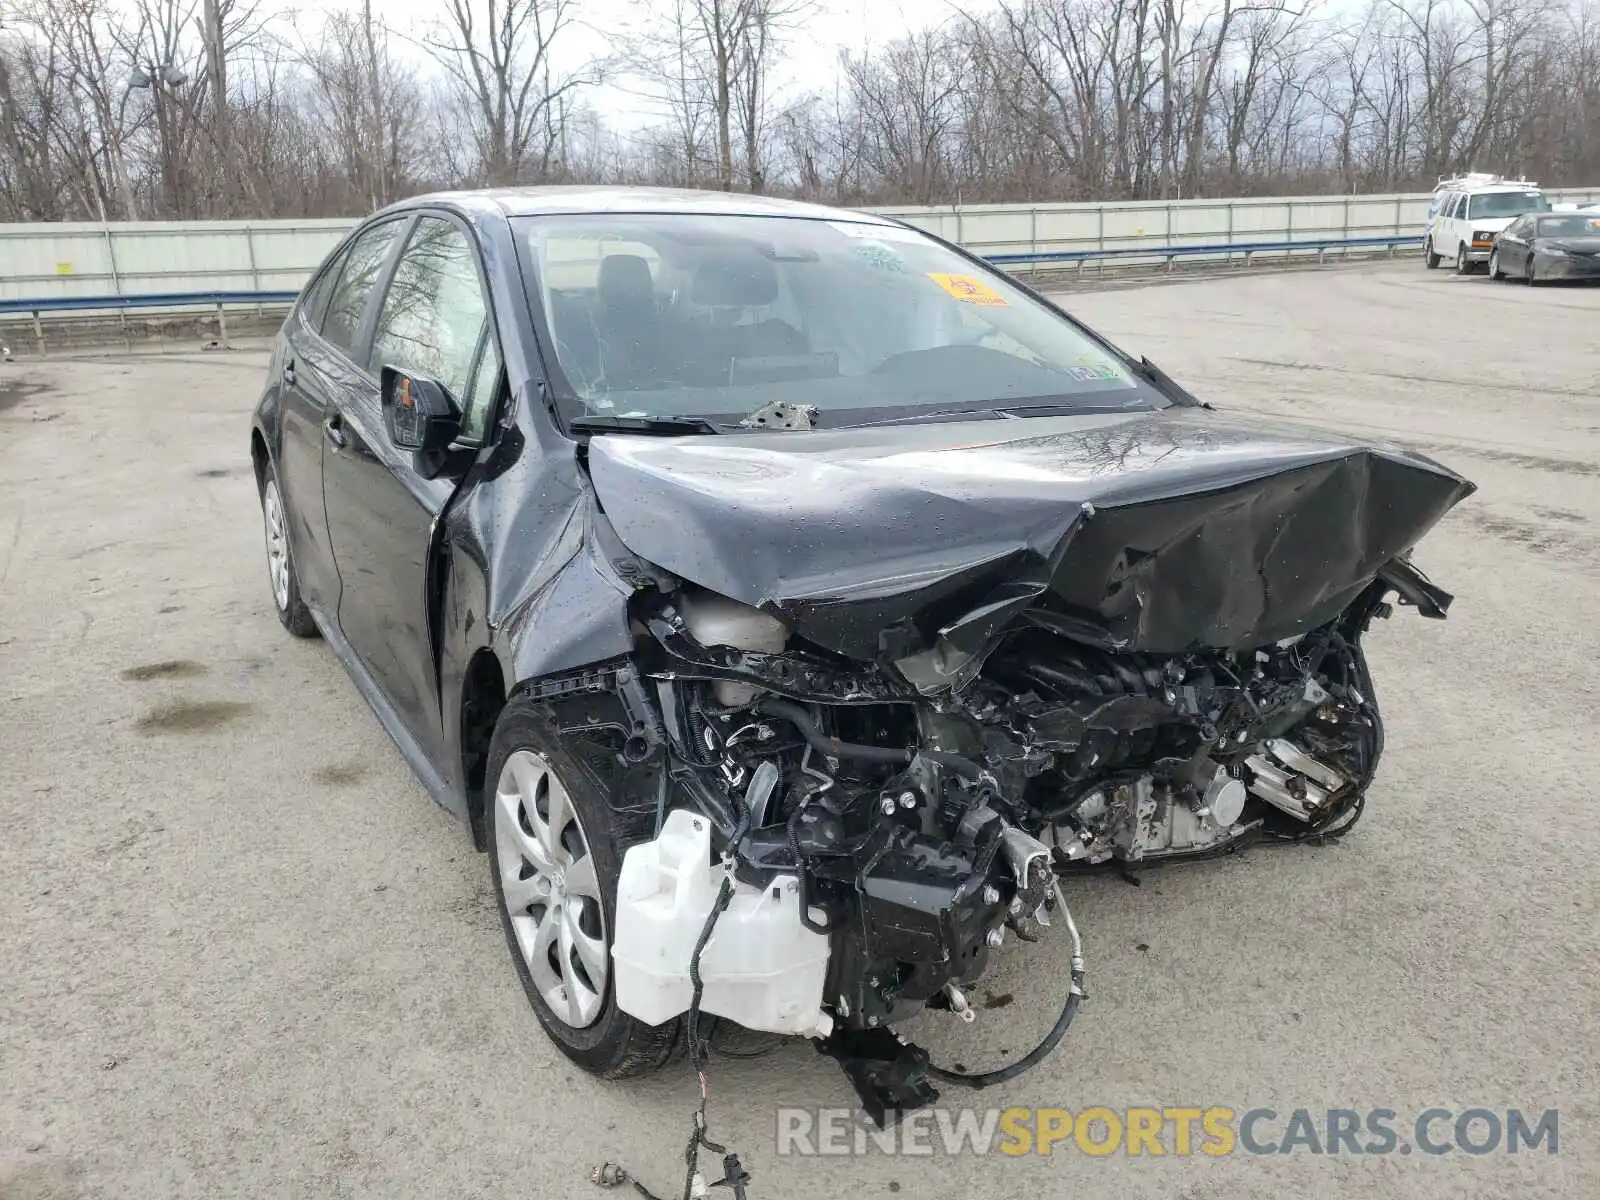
666 66
909 100
365 106
115 109
498 54
30 91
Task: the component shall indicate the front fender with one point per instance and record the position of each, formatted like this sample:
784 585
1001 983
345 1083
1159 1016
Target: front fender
580 616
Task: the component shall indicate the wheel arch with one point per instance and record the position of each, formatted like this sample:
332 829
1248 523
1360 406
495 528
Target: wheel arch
260 457
483 698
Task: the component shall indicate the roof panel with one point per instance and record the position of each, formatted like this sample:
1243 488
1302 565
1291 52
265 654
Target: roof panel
534 201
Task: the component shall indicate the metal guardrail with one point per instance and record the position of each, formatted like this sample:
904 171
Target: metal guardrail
220 301
147 300
164 301
1320 245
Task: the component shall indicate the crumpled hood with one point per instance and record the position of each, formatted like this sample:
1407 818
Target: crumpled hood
1150 531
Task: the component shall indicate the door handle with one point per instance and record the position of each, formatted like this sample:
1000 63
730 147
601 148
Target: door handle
333 430
288 371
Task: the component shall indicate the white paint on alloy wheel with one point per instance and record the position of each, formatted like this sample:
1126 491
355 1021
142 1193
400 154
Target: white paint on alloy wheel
277 544
550 889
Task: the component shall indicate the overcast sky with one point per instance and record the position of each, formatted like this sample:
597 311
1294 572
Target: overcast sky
809 60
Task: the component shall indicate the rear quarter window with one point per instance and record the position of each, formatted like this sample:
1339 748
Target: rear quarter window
313 302
358 276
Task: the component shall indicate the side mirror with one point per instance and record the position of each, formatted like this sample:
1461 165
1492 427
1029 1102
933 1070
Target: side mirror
420 414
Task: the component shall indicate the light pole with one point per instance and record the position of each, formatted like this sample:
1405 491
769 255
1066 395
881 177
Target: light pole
159 79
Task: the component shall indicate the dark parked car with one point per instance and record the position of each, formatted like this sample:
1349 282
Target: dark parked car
1548 246
785 598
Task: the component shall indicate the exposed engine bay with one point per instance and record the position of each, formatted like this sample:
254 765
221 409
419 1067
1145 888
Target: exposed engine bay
879 844
869 697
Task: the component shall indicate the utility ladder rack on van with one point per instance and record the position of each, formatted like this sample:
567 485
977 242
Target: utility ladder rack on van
1481 179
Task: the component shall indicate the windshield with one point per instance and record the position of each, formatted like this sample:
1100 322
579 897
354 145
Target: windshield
1569 227
1506 204
717 316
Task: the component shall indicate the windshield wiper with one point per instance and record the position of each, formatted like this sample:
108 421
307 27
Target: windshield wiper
656 426
1167 385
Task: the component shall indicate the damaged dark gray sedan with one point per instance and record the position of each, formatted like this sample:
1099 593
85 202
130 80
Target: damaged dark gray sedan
791 603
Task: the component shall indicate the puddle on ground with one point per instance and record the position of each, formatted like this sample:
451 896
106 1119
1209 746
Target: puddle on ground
176 668
189 716
340 774
14 391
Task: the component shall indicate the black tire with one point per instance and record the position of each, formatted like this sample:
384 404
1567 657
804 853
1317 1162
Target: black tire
615 1045
1533 273
1494 265
1429 258
1463 264
291 609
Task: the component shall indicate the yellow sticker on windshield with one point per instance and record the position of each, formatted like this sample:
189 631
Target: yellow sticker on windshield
970 290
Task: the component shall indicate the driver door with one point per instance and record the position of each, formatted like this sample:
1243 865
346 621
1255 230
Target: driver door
433 321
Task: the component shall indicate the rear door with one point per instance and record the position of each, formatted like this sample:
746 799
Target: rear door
299 458
316 366
433 320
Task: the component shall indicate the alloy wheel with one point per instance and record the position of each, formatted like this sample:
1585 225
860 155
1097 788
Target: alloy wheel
277 544
550 889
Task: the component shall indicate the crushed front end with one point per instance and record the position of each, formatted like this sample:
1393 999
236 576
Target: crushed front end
874 816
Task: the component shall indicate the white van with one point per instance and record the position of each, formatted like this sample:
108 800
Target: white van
1468 211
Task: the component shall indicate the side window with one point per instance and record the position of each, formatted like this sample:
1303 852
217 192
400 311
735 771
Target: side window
478 405
435 321
314 297
362 266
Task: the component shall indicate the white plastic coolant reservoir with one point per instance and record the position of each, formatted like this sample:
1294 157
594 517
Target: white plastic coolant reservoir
718 621
761 968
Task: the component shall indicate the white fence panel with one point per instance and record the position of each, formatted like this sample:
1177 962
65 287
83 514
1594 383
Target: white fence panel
58 261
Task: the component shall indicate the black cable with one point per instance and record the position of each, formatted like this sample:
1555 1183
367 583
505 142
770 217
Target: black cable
803 877
1069 1010
1029 1060
834 748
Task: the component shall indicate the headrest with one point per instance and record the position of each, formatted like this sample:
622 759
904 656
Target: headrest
625 281
734 279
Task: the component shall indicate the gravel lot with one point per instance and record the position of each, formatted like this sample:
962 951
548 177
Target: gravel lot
244 955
